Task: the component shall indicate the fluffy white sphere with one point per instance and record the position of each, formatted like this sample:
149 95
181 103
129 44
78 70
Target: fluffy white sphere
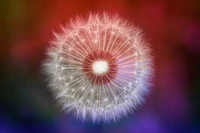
99 67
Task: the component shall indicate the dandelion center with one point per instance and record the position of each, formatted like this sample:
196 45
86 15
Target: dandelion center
100 67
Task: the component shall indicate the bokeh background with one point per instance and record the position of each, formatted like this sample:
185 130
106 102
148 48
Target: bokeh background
172 28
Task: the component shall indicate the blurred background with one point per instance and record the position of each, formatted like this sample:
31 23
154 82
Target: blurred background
172 28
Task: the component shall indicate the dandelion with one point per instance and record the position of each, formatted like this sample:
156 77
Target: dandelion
99 67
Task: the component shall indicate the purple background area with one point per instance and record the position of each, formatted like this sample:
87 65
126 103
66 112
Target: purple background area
173 30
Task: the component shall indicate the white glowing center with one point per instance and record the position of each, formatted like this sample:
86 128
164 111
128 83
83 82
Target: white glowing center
100 67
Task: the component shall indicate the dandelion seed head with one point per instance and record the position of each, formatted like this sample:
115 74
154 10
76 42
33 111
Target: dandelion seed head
99 67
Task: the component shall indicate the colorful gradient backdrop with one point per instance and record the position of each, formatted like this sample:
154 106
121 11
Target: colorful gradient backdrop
172 28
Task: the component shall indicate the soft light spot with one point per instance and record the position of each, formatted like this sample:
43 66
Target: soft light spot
100 67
